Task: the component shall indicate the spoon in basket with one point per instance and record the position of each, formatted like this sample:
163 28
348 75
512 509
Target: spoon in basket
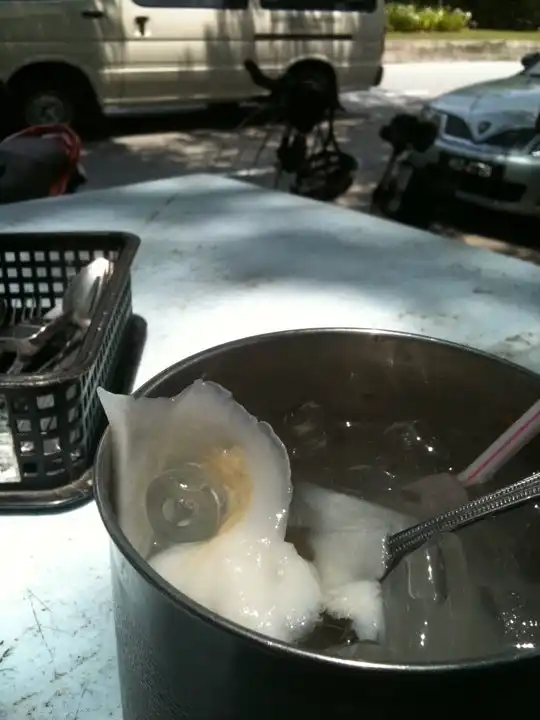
78 307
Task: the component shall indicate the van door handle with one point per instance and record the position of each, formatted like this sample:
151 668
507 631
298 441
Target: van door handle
140 22
92 14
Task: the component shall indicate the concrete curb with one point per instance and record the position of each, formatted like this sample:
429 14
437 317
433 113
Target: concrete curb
402 50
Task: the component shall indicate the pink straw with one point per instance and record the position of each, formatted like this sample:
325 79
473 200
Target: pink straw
503 449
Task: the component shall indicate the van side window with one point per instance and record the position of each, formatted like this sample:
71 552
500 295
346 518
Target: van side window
362 6
195 4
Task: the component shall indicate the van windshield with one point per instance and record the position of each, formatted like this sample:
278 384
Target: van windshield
362 6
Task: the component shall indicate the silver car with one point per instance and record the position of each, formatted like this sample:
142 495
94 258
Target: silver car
489 136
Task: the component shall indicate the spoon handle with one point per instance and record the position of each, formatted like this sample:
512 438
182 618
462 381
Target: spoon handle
404 542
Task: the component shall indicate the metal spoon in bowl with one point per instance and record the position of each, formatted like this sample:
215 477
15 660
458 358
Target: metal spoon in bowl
402 543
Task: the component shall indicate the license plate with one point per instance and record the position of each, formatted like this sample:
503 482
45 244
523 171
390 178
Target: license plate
471 167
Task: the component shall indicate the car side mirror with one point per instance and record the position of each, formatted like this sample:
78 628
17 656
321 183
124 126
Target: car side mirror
530 59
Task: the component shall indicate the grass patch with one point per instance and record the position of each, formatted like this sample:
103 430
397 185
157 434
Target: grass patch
481 35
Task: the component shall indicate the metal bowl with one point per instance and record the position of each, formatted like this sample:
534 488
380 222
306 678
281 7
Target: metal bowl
178 660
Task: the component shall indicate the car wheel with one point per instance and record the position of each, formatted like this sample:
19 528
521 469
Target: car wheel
46 107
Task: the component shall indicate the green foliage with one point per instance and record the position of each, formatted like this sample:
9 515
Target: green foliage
416 18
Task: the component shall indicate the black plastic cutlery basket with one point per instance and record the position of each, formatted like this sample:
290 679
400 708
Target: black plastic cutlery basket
54 419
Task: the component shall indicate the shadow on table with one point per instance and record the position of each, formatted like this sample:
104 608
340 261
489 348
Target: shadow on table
261 238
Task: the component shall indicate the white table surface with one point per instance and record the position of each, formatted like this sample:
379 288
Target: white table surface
221 260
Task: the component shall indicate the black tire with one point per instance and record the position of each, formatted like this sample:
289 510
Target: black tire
45 106
55 95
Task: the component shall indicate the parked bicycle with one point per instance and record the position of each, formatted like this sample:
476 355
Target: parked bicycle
304 100
409 191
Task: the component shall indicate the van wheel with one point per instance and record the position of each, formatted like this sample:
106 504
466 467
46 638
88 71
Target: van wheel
56 93
46 107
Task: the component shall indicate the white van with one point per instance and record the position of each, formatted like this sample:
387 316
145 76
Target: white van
62 59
